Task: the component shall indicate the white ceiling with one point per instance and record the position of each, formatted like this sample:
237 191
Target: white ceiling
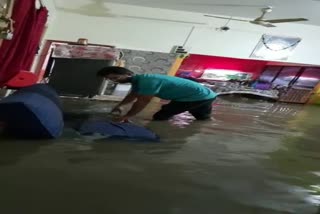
309 9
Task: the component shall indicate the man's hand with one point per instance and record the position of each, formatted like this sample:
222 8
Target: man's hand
128 99
123 119
140 103
117 110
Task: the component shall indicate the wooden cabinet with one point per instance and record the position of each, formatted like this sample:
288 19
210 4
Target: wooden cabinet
296 95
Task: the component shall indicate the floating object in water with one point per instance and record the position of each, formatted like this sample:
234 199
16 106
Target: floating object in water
32 113
118 130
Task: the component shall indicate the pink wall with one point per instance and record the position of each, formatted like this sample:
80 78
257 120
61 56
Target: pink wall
201 62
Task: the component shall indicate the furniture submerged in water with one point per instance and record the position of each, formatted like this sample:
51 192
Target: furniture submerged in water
111 130
32 112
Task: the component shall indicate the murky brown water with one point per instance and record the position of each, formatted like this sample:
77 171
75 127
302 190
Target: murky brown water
254 157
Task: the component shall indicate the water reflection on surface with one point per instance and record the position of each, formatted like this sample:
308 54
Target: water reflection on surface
253 157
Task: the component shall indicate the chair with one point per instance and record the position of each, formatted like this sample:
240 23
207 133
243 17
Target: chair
20 80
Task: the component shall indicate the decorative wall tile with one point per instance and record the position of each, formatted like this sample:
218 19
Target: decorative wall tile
141 62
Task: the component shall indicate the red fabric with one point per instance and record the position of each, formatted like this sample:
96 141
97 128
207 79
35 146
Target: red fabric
198 63
17 54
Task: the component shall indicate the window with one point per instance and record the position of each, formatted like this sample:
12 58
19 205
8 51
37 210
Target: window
309 78
270 73
287 74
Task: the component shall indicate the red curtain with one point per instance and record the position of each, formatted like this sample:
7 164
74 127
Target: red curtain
41 20
18 54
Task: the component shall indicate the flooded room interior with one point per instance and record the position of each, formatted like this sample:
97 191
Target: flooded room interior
162 107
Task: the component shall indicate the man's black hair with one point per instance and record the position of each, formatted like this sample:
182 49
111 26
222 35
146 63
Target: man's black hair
113 70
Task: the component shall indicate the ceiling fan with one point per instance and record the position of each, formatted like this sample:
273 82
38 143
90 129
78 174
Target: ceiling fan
261 21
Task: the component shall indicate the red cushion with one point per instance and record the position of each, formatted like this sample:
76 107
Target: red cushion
22 79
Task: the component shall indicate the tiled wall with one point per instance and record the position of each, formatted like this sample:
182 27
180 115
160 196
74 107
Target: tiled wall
142 62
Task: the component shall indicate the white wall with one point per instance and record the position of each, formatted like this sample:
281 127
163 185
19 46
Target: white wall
49 4
242 38
159 36
124 33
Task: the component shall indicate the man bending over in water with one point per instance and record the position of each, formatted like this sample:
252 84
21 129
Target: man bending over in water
184 95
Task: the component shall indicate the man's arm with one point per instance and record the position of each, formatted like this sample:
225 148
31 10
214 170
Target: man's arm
128 99
139 105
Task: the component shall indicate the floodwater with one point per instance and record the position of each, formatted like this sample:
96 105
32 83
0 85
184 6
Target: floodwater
254 157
